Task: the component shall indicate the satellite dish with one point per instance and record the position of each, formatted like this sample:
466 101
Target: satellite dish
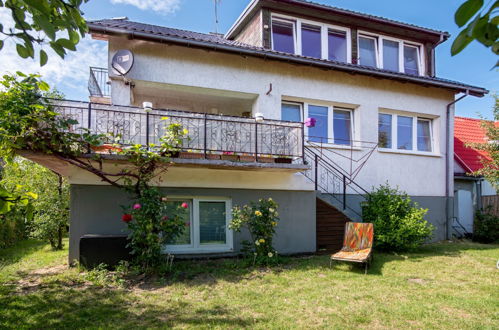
122 62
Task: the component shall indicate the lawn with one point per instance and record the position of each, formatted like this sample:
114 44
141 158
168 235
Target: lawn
446 285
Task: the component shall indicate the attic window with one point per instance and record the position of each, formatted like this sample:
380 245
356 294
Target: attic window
283 36
337 44
311 40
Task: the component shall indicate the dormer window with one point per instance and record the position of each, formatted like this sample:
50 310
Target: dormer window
312 39
368 51
283 35
337 46
390 54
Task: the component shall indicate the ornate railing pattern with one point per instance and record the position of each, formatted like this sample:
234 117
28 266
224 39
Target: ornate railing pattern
207 133
98 82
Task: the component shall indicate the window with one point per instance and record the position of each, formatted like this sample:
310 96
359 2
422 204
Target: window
367 51
319 133
291 112
206 228
337 46
411 62
342 126
390 55
424 135
311 40
283 36
385 130
333 124
404 133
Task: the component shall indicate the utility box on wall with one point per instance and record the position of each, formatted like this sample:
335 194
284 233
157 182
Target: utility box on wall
103 249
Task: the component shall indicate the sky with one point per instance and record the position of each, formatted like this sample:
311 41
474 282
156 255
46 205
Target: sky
472 66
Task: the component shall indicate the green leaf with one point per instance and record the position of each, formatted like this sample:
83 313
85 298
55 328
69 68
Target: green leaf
66 43
43 86
45 25
466 11
43 57
22 51
58 49
40 5
74 37
32 195
1 44
461 41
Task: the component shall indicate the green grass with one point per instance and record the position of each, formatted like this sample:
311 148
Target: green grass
447 285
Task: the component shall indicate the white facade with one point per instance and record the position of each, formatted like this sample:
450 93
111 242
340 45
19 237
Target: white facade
192 79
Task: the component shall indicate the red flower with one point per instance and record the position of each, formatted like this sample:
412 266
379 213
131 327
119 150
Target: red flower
126 218
164 218
185 205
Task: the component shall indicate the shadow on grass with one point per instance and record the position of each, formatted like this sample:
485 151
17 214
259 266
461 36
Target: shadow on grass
94 307
208 272
22 249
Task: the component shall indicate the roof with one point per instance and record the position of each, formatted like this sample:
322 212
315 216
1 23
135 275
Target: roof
469 130
257 4
155 33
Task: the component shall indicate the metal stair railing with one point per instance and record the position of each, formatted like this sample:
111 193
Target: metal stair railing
330 180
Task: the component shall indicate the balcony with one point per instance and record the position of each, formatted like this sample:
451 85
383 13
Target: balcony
214 140
99 86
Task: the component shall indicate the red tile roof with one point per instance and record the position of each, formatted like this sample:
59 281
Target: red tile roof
469 130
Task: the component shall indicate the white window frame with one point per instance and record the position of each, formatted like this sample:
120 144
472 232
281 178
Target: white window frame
285 20
418 52
379 50
330 123
430 121
324 34
195 246
394 131
302 114
376 48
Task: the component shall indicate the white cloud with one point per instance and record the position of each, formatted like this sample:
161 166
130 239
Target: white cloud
162 6
69 75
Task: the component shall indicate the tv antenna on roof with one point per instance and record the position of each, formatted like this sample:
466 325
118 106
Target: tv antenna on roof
216 4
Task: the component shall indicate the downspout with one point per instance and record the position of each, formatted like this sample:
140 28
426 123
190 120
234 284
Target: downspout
447 161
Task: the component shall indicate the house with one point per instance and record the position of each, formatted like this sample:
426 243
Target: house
381 115
469 189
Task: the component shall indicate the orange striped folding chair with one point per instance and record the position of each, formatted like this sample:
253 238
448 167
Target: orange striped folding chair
357 244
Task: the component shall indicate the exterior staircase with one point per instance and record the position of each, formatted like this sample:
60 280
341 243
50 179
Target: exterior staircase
338 199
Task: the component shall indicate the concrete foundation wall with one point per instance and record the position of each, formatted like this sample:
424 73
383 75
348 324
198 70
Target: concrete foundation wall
96 210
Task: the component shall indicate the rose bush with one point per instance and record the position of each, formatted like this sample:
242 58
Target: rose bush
260 219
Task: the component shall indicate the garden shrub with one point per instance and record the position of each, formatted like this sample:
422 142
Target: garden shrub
486 227
399 223
260 219
49 210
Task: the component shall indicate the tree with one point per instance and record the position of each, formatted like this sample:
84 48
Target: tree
481 25
39 22
30 122
50 210
490 169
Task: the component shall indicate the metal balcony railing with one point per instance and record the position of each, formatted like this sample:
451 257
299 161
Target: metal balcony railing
207 134
98 82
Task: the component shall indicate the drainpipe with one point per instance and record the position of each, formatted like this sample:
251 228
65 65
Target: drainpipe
447 162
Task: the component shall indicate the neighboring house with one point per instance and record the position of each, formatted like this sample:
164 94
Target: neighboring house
364 79
468 189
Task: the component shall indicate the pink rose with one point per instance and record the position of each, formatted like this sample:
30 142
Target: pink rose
185 205
137 206
164 218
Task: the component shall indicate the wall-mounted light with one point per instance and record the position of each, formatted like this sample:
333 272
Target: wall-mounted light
147 106
259 117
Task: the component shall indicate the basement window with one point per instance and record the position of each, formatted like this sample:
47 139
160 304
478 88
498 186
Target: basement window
206 226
